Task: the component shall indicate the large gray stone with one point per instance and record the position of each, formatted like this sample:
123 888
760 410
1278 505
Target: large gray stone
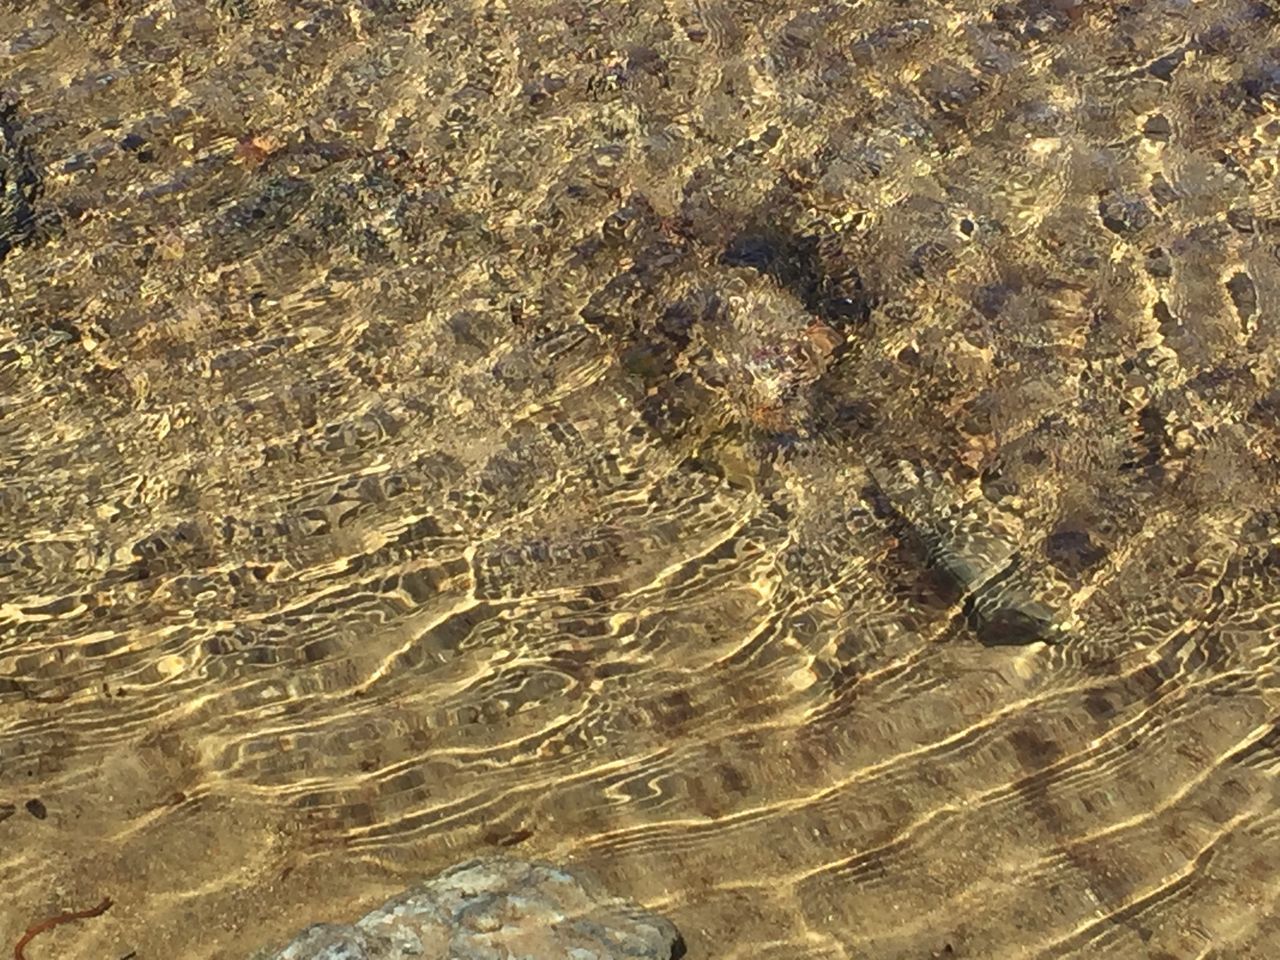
495 909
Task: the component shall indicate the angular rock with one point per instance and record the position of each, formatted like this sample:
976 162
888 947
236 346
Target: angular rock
494 909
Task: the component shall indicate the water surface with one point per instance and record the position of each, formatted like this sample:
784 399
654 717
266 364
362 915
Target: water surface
815 468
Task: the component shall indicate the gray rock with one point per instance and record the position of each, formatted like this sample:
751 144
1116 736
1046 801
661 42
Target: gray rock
495 909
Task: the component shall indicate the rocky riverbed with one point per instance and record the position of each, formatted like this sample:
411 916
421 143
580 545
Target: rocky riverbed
813 466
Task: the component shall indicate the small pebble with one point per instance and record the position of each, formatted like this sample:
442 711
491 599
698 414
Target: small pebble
37 809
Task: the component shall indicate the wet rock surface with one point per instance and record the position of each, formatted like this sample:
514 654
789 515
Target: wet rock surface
490 908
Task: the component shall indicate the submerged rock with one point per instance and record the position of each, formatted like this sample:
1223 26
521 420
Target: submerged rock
494 908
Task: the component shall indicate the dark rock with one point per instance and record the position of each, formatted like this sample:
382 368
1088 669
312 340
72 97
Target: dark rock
1013 625
1124 215
21 185
492 908
1159 264
1261 83
1244 295
1073 551
1163 68
1158 127
830 288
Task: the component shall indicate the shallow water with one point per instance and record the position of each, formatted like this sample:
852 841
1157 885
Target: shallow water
816 469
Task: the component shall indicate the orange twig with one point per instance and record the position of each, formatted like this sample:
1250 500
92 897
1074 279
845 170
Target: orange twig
59 920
